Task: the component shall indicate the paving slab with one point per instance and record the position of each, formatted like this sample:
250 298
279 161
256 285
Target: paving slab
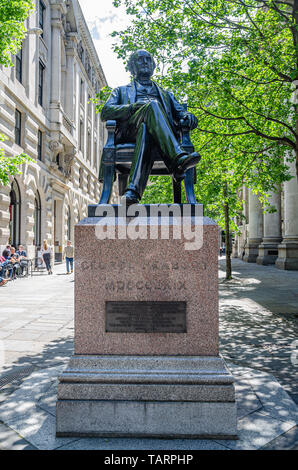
10 440
38 427
273 397
256 430
287 441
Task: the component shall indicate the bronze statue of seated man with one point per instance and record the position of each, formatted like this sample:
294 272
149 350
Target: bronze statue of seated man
148 116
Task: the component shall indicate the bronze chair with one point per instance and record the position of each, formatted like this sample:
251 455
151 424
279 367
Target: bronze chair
117 158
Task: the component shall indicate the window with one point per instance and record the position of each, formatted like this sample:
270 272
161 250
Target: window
81 51
89 146
58 161
18 127
95 154
19 65
40 83
82 93
41 16
39 145
89 106
81 136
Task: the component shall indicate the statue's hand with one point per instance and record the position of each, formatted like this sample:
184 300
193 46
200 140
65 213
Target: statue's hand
136 106
190 121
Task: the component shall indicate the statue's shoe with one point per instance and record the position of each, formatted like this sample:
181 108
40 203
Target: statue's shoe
184 163
129 198
187 161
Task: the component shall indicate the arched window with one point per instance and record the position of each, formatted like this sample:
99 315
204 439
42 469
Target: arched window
37 220
15 214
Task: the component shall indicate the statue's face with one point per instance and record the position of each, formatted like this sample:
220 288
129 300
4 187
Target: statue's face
144 67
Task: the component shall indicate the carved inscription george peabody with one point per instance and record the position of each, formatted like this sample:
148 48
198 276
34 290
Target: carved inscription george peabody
145 317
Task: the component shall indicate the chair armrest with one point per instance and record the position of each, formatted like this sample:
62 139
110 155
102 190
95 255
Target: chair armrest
111 125
111 128
108 154
185 137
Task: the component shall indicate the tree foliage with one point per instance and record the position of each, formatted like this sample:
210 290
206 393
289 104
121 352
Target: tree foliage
13 13
234 60
235 63
10 166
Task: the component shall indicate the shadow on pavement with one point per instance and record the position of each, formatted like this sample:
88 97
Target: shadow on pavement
258 323
55 353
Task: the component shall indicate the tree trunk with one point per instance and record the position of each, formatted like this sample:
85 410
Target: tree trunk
295 37
228 247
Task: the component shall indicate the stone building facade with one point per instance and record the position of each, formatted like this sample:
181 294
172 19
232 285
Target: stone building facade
270 238
45 111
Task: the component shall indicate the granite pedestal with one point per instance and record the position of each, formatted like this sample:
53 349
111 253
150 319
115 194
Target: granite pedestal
146 359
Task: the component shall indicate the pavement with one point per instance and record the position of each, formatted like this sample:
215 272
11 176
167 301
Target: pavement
258 334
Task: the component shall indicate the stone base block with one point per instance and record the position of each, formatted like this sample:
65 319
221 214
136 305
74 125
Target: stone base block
148 269
146 419
161 396
252 250
287 256
268 253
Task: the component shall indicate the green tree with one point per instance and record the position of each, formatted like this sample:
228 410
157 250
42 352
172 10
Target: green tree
13 13
236 64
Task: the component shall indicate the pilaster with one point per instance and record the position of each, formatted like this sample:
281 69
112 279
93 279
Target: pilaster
268 249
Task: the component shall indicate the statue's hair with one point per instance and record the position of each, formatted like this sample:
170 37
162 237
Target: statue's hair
131 61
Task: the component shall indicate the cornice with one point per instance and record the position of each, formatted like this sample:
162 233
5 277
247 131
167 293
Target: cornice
89 44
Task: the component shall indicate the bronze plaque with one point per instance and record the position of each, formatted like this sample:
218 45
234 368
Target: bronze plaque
145 317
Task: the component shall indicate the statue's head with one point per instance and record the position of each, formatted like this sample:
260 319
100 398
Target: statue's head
141 64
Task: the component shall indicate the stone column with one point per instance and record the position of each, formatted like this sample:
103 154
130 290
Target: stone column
255 229
56 62
268 250
70 76
288 249
55 101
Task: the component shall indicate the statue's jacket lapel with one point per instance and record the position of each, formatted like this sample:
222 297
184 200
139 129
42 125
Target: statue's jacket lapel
165 99
131 93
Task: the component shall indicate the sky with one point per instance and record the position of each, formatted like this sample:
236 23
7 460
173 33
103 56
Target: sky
103 18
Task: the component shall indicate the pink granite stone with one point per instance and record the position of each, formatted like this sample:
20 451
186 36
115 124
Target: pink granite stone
145 270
